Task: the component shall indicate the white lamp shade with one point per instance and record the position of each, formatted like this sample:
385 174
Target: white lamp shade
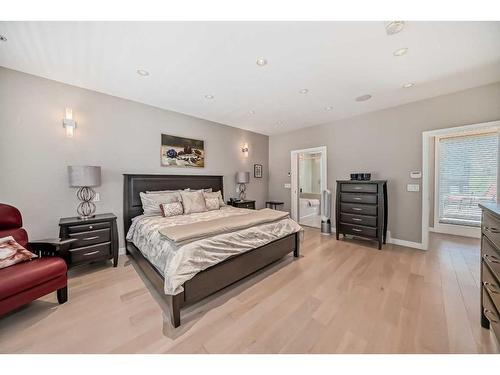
242 177
84 175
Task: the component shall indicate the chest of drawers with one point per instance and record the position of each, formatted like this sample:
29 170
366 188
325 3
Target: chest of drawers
96 238
361 209
490 267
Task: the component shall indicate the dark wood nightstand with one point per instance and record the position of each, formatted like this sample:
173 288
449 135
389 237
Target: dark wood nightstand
96 239
243 204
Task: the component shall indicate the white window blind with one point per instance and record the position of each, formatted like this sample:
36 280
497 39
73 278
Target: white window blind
467 175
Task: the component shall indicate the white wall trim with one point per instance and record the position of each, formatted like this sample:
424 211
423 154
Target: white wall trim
121 251
426 137
397 241
294 176
457 230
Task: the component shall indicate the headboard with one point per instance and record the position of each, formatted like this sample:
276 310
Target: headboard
133 184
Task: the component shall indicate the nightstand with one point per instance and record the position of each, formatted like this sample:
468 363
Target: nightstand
243 204
96 239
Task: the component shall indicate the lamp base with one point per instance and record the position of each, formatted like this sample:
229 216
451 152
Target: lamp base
86 208
243 191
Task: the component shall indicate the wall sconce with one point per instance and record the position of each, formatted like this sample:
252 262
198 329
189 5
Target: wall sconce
68 123
244 149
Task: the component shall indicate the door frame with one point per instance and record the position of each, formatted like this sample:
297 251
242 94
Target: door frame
294 176
426 144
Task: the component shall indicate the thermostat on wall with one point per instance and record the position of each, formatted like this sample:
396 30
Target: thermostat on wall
416 174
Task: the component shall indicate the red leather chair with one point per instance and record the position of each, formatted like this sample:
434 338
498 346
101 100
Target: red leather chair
25 282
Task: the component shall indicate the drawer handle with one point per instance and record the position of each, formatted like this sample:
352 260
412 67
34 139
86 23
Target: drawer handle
492 318
90 238
357 198
357 230
492 230
91 253
91 227
491 258
491 287
357 209
358 188
356 219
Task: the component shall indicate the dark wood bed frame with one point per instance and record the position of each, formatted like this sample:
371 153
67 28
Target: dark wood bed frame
213 278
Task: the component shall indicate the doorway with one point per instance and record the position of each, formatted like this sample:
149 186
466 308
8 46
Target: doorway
308 182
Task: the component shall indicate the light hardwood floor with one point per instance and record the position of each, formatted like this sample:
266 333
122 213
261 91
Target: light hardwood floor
339 297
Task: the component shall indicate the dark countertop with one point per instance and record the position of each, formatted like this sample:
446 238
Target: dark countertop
493 208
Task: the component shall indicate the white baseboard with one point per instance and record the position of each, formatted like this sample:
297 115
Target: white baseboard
397 241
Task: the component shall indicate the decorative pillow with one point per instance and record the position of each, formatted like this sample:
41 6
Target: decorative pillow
11 252
216 194
193 201
212 203
151 202
171 209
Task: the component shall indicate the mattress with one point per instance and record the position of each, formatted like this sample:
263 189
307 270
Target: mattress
180 263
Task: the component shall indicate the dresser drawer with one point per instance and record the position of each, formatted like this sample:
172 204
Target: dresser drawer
490 256
491 313
90 238
369 221
88 253
491 228
358 188
358 230
358 198
88 227
361 209
490 283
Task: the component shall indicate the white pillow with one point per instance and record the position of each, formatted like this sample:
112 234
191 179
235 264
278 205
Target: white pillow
215 194
212 203
151 202
193 201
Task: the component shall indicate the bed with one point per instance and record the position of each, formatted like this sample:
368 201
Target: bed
181 291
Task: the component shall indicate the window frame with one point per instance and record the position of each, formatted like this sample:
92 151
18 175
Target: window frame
455 229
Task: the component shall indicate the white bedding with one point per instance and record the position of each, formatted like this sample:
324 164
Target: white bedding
180 263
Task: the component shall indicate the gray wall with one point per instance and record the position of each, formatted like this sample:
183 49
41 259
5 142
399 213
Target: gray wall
388 144
120 135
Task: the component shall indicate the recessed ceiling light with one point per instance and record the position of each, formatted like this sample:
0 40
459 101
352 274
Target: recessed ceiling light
3 38
209 97
142 72
303 91
261 62
363 98
400 52
394 27
408 85
329 108
251 112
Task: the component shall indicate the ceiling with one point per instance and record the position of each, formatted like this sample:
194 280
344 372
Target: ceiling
335 61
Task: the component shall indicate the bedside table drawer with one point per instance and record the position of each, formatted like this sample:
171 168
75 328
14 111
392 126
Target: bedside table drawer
249 205
88 227
89 253
90 238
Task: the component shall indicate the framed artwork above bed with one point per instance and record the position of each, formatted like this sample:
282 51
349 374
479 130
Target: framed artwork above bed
182 152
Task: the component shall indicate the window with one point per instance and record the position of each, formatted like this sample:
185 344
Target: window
466 174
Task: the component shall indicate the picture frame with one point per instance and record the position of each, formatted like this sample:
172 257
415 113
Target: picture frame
257 170
182 152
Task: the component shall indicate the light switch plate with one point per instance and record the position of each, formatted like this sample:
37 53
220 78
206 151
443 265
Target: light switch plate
287 186
416 174
413 187
97 197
